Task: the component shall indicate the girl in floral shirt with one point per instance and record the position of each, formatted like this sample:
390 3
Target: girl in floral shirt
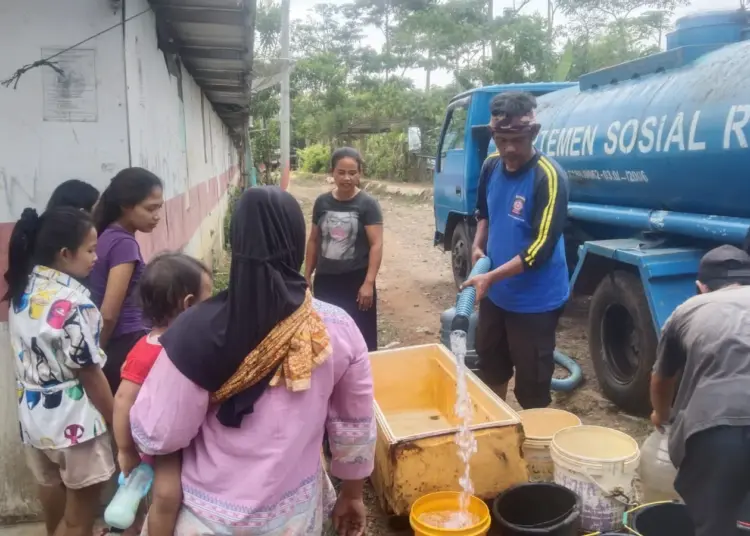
64 402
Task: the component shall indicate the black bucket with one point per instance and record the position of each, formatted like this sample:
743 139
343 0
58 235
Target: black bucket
662 518
538 508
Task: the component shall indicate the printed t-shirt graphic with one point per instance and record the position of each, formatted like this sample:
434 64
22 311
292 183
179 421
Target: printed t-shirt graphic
339 234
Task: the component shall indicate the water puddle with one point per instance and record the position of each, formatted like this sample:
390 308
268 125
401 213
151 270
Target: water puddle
449 519
467 444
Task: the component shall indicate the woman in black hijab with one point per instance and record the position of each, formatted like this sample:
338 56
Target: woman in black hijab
265 287
247 382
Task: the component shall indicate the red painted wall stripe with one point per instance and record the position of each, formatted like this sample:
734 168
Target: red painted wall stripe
181 217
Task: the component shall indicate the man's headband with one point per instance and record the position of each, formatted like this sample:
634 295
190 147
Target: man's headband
503 123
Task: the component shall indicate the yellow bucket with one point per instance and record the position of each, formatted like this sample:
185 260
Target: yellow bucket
446 501
539 426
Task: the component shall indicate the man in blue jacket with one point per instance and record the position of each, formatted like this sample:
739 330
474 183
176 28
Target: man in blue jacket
522 205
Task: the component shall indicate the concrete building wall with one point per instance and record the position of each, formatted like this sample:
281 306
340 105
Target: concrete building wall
121 107
175 132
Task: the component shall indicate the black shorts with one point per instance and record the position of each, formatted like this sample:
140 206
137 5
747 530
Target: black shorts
117 350
520 342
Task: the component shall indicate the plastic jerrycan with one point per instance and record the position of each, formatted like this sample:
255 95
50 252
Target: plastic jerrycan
121 512
656 470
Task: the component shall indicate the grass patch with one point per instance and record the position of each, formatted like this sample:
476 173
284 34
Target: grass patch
221 271
221 281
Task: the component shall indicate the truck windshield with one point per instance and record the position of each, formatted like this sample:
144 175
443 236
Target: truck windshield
455 133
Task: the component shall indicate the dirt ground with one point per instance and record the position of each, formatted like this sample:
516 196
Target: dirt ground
415 285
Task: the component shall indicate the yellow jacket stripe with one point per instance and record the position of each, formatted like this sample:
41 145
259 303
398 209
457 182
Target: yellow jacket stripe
552 179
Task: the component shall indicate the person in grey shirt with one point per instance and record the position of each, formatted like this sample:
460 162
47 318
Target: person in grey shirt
707 338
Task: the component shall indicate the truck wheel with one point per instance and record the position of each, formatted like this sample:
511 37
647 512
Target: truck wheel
622 341
461 253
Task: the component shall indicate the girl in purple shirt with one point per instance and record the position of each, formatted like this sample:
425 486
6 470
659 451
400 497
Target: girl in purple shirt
132 202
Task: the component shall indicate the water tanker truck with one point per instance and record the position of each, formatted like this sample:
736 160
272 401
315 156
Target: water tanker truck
656 151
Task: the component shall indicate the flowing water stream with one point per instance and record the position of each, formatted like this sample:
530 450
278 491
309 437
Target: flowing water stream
467 444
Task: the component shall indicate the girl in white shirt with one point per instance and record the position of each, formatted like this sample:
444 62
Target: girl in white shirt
64 401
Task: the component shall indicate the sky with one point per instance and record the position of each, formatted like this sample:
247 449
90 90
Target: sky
374 37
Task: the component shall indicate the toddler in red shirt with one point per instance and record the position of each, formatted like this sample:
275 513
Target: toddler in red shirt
171 283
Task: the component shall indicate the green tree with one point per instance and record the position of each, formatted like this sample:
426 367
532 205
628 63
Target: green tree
608 32
639 23
421 39
267 27
264 132
619 10
387 16
521 53
344 91
328 30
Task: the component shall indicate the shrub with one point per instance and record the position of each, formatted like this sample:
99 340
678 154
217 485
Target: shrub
315 158
234 194
221 280
386 156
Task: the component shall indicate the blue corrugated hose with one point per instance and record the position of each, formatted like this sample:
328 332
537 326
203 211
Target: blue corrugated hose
464 308
465 300
571 382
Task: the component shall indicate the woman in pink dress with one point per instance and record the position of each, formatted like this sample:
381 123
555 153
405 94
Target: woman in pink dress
246 385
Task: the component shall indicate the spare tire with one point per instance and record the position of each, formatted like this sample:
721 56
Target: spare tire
622 341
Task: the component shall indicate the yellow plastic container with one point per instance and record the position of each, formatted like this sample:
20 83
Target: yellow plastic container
448 501
416 453
539 426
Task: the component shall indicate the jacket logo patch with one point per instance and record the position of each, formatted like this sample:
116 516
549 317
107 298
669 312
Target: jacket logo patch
518 204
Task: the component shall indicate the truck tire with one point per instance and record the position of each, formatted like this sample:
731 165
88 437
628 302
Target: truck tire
622 341
461 253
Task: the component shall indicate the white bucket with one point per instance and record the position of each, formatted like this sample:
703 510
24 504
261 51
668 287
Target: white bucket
539 426
599 465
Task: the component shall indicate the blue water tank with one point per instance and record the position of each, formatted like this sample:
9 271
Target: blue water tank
666 132
709 28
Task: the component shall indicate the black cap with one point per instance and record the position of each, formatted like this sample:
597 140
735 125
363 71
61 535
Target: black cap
726 265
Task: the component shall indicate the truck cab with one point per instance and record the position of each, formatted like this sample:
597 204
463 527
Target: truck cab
463 147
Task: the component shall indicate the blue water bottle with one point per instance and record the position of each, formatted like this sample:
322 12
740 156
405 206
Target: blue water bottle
121 512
